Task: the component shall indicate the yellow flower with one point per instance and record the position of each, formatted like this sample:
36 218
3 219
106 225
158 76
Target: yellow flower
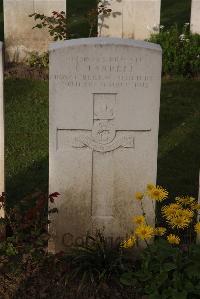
176 216
173 239
158 193
144 232
139 219
150 187
197 227
129 243
179 222
185 201
187 213
160 231
195 206
170 210
139 195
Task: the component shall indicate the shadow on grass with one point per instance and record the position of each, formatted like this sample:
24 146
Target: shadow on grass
178 169
34 178
179 140
26 132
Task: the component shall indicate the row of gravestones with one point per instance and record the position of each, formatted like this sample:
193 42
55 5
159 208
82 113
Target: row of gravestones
129 18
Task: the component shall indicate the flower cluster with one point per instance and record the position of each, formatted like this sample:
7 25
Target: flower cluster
178 216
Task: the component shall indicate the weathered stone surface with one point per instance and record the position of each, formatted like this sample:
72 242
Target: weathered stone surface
20 38
1 129
135 19
195 16
104 119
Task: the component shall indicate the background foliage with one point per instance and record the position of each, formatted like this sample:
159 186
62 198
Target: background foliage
181 51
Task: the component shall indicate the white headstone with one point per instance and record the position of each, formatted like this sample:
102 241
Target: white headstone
20 38
135 19
1 127
104 119
195 16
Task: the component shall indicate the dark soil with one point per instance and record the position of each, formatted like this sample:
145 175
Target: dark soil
52 280
23 71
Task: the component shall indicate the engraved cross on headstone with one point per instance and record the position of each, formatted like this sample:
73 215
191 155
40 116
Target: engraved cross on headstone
102 139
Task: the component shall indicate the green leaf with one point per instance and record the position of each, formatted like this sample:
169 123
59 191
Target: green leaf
3 221
179 295
38 26
167 293
196 292
155 295
168 267
193 271
54 210
11 250
128 279
143 276
161 278
188 286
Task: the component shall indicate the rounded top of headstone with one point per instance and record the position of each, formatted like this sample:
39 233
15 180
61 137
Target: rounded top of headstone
104 41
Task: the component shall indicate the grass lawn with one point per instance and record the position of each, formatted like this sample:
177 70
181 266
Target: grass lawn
27 137
179 140
26 131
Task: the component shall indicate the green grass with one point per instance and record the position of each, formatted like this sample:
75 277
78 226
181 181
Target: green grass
26 131
26 110
179 140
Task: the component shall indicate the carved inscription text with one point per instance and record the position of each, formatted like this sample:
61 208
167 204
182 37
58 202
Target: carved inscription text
104 72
